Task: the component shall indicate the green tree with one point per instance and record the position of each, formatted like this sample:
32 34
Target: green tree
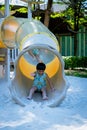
78 13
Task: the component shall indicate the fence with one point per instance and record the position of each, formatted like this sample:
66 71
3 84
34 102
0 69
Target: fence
67 44
13 55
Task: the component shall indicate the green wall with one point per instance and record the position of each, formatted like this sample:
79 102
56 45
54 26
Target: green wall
67 44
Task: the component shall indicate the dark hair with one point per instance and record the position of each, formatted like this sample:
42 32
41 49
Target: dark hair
41 66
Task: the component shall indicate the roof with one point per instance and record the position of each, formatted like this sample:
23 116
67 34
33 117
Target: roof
14 2
55 7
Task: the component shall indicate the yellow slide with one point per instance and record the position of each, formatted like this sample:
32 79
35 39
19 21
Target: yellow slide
27 35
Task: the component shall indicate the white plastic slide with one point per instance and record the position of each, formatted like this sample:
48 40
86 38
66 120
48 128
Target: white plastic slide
27 35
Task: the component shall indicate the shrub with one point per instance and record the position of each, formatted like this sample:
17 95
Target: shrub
72 62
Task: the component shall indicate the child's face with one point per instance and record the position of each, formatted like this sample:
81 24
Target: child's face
40 72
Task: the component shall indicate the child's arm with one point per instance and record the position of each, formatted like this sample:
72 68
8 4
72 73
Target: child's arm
50 83
30 52
35 56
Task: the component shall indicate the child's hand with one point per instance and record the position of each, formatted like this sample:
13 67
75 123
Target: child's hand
32 74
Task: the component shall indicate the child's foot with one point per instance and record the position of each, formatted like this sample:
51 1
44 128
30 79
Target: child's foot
29 98
45 98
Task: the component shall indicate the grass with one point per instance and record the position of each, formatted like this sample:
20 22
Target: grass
77 72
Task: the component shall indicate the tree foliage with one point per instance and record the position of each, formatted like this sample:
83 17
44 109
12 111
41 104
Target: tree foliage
75 14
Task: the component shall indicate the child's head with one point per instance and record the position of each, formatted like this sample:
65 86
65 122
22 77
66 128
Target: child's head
41 67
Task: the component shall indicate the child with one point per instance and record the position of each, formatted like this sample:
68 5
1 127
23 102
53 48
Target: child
39 83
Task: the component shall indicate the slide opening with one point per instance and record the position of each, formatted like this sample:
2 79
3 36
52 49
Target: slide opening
27 62
25 65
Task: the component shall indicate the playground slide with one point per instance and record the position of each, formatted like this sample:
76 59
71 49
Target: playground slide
26 35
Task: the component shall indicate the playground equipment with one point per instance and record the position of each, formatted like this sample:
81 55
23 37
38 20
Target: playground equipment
26 35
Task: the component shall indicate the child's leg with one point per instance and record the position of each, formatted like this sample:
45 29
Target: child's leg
44 93
38 59
32 90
